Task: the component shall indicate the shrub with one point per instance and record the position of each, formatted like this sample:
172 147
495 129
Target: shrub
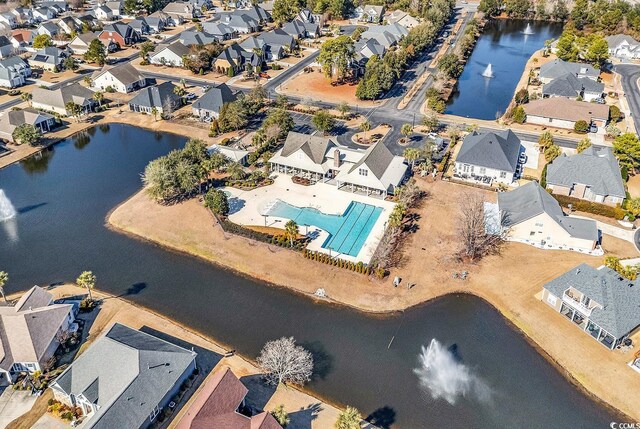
581 127
109 89
614 114
590 207
522 96
624 173
543 177
519 116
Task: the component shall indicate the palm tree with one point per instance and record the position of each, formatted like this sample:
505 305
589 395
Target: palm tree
87 80
4 278
291 231
183 82
365 126
26 96
411 154
281 415
154 112
98 96
349 419
406 130
88 281
179 91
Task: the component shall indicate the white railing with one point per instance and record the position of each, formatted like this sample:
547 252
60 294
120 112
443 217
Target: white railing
576 305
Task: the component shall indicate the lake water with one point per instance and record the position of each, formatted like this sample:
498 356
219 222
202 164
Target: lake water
507 48
62 199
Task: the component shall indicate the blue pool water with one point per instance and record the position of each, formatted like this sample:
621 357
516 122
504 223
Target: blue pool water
347 232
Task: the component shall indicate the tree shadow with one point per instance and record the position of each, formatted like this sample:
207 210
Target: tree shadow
134 289
303 418
322 361
260 392
383 417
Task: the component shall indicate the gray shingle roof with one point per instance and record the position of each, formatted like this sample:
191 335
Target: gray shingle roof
619 297
530 200
557 68
499 150
314 146
595 167
156 96
215 98
377 158
61 96
569 85
132 372
616 40
197 38
125 73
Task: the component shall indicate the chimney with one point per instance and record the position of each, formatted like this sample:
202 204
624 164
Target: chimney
336 158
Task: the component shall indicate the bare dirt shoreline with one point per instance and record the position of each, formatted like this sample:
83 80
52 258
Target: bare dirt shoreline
189 228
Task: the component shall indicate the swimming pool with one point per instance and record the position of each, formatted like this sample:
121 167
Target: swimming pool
347 232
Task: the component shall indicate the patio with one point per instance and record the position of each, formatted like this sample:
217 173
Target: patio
251 208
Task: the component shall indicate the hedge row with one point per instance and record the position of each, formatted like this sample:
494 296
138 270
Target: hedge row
278 240
336 262
590 207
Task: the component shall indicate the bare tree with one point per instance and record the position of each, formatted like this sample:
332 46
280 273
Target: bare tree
63 336
167 108
49 364
477 235
284 362
272 132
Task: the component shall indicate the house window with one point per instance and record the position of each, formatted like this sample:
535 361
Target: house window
552 299
154 413
363 171
539 224
483 171
465 168
503 174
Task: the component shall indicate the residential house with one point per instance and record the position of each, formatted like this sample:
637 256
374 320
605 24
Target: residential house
370 13
59 6
155 24
43 14
218 404
14 72
488 157
22 39
123 78
306 16
272 45
50 58
242 23
257 13
169 55
31 329
592 175
69 25
160 97
402 18
167 21
119 33
278 37
599 301
48 28
561 112
209 105
558 68
179 11
301 30
115 7
80 44
140 26
220 30
237 59
529 214
623 47
572 87
189 38
9 19
375 171
6 47
124 379
387 35
233 154
365 49
103 13
56 100
24 15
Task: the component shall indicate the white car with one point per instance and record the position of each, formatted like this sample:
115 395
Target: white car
191 96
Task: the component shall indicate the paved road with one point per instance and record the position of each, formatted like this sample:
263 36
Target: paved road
630 74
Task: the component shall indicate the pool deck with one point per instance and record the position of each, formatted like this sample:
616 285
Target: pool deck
246 208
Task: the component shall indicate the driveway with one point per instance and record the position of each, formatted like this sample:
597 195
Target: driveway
47 421
533 154
13 404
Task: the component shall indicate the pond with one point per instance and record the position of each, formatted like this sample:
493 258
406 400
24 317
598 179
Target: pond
478 373
493 70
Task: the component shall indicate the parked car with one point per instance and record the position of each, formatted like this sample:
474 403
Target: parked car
190 96
523 158
265 75
600 100
205 88
593 128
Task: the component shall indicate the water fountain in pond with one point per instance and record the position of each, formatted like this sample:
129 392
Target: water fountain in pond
7 211
528 31
488 72
444 376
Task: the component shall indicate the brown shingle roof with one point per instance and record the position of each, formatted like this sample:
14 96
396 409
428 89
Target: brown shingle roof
563 108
